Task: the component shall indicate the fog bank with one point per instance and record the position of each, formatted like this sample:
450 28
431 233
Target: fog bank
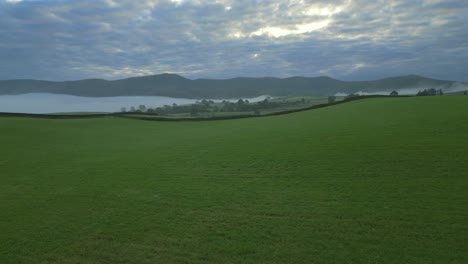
42 103
456 87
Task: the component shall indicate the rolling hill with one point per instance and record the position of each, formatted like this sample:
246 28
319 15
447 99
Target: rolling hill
173 85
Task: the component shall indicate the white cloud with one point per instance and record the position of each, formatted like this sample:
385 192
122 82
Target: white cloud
236 35
277 32
325 10
177 2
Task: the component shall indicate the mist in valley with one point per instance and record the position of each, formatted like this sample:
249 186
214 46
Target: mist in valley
456 87
42 103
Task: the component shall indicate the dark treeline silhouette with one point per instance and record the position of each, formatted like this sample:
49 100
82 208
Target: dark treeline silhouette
209 106
430 92
392 93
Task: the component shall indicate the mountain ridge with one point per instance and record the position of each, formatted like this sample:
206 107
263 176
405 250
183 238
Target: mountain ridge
174 85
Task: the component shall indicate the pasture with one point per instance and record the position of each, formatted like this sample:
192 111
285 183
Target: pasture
372 181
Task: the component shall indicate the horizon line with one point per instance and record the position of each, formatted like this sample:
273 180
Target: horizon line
239 77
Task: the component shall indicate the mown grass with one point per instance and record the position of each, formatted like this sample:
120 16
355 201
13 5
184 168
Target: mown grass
371 181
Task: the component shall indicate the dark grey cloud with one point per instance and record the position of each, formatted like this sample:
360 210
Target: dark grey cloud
345 39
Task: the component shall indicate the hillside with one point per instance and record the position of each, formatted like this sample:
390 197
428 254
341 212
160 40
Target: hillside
172 85
371 181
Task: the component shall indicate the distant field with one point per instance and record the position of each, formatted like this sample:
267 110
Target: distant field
372 181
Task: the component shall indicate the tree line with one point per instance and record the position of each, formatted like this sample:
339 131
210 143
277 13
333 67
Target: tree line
209 106
430 92
425 92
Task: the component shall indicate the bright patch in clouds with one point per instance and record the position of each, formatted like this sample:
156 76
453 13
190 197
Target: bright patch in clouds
323 11
277 32
13 1
177 2
236 35
111 3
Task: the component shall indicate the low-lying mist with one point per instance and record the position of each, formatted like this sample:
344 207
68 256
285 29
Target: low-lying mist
42 103
457 87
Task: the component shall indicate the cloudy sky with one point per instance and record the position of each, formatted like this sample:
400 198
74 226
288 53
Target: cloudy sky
344 39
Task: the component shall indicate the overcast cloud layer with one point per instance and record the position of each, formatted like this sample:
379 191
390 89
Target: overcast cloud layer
344 39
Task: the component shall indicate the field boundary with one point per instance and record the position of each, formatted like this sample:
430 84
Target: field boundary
67 116
317 106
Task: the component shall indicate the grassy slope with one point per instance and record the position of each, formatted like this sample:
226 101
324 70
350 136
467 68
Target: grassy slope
372 181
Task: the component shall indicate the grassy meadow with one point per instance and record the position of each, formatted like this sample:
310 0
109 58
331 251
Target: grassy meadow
372 181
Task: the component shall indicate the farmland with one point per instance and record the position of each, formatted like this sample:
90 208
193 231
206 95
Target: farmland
371 181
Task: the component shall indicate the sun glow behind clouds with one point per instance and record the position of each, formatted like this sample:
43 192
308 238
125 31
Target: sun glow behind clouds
277 32
323 11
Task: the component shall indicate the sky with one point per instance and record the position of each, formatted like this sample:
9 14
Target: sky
344 39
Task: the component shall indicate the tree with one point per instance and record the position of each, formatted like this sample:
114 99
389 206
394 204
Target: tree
331 99
240 105
428 92
394 93
422 93
132 109
123 109
464 93
142 108
193 110
263 104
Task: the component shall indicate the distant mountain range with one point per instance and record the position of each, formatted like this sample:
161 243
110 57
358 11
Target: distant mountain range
173 85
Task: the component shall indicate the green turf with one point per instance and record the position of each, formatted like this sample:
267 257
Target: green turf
370 181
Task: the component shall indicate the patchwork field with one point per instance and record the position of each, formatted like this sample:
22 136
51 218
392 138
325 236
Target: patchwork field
371 181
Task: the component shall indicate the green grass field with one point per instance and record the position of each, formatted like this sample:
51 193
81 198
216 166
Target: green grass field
370 181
